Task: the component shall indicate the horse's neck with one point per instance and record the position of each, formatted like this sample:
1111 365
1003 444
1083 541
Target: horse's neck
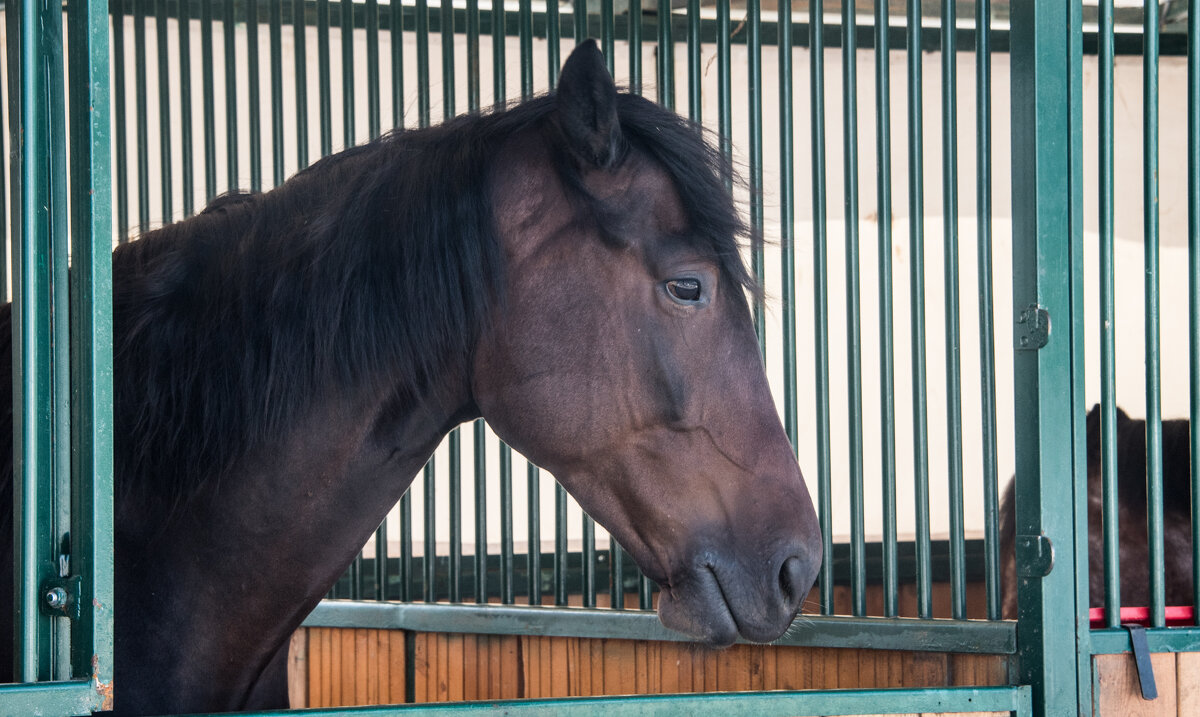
239 567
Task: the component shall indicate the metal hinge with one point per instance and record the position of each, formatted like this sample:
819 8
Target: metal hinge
1033 328
1035 556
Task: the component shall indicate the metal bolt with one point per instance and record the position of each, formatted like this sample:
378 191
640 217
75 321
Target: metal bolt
56 598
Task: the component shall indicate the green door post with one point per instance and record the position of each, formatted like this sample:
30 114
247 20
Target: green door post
1052 633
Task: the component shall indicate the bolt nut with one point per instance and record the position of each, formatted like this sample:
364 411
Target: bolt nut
56 598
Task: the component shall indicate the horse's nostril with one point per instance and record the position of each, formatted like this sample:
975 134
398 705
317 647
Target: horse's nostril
791 579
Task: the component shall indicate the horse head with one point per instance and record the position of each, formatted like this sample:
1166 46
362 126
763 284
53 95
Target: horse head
623 357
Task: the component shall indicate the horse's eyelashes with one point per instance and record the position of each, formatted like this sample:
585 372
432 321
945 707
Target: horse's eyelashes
684 289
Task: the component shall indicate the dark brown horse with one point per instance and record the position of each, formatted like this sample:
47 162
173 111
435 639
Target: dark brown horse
1131 498
568 269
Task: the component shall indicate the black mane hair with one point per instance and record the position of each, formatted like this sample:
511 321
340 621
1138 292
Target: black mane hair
380 262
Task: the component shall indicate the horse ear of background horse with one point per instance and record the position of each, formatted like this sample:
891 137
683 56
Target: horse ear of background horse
1131 498
276 389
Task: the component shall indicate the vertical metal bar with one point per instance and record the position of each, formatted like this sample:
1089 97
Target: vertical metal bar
164 109
232 151
916 240
481 533
473 72
208 93
324 100
422 63
645 592
455 495
346 35
397 43
1047 198
143 132
665 57
958 567
508 590
253 107
616 587
406 547
553 43
277 137
579 24
534 553
635 46
724 83
430 558
187 150
608 35
120 124
589 561
755 131
91 296
373 109
300 40
525 34
560 545
858 576
1193 120
499 54
1108 382
695 105
1154 495
987 349
381 561
887 382
820 270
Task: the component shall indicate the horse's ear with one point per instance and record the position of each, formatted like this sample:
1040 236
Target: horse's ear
587 107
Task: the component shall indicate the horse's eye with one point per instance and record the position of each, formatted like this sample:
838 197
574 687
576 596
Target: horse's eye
684 289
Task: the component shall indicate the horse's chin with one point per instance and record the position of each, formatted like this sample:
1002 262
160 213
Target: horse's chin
700 611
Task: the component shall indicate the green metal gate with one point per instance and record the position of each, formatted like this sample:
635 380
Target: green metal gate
868 361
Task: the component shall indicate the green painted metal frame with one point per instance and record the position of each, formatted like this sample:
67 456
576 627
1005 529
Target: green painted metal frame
1014 700
62 354
1052 629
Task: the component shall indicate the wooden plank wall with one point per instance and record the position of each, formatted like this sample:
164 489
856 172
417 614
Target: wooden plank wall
343 667
1177 676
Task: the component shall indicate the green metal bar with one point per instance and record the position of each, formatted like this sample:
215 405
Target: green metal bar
499 54
324 100
300 40
481 534
164 109
381 561
635 46
553 43
508 590
446 18
1193 120
373 109
1108 382
589 561
916 241
429 561
608 36
347 38
455 494
187 150
560 545
120 141
992 637
65 698
858 575
525 35
208 93
1052 633
820 271
579 23
534 552
987 349
397 43
755 131
665 57
422 28
1154 493
232 149
887 382
616 587
253 107
141 113
744 704
406 547
724 83
958 583
473 72
694 70
277 136
645 592
91 345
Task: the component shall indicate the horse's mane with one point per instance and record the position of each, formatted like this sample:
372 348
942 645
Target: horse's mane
380 257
